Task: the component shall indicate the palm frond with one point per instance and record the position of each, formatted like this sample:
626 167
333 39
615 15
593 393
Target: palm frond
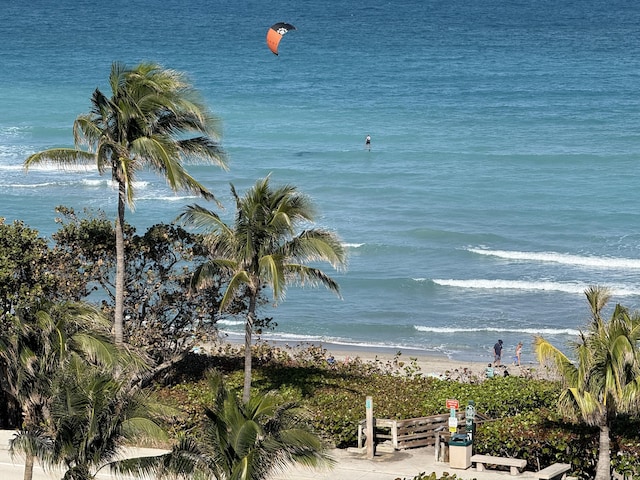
305 275
200 217
237 280
63 157
547 353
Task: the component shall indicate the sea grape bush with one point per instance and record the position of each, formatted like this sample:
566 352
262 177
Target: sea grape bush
522 421
541 438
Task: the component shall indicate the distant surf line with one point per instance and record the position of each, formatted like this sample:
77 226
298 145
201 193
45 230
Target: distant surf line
292 339
531 331
573 288
562 258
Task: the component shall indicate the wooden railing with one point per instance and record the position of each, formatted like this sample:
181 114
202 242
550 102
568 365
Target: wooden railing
412 432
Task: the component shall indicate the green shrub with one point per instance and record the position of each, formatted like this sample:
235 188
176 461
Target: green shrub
523 423
500 397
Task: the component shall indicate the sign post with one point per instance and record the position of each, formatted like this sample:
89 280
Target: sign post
452 404
469 416
369 420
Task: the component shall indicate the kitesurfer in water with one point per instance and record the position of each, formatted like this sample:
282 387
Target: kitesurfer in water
367 142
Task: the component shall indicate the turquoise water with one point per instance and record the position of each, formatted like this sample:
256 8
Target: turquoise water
503 173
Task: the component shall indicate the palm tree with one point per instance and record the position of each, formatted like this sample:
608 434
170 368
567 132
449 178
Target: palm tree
239 441
604 380
95 413
153 120
262 249
33 349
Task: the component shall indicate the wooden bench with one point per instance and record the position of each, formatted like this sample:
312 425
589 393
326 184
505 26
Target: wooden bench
556 470
515 464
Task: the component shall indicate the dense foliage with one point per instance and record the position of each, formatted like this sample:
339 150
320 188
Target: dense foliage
335 394
521 411
29 271
162 315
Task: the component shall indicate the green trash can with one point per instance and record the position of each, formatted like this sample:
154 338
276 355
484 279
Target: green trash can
460 451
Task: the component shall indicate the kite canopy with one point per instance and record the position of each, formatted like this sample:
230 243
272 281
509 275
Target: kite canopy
275 34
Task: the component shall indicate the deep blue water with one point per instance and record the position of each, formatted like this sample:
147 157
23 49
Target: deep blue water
503 173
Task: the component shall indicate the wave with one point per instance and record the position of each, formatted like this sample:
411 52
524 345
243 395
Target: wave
33 185
231 322
563 258
576 288
99 182
54 167
11 168
531 331
169 198
13 131
353 245
292 338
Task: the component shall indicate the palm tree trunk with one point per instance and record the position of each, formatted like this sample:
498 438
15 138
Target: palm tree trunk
248 330
28 467
120 267
603 469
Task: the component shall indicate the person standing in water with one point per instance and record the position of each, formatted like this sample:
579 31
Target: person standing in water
497 353
518 353
367 142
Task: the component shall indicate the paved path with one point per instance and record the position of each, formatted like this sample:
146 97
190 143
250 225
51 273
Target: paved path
350 466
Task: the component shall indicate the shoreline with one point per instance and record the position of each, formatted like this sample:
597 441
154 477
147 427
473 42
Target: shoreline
429 363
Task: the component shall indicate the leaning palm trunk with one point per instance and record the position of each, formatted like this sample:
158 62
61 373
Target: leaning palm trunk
118 320
603 469
28 467
246 392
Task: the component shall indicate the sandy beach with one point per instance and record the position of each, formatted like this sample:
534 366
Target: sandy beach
427 363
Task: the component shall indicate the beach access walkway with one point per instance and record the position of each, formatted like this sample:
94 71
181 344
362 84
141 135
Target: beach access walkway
401 464
350 466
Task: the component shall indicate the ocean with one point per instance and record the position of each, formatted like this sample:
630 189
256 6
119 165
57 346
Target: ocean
503 173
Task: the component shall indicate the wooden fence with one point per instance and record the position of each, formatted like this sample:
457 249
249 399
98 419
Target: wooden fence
411 432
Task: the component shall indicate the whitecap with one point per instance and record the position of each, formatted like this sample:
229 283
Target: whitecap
530 331
563 258
574 287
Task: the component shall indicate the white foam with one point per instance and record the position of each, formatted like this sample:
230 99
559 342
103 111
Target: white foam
32 185
574 287
94 182
174 198
11 168
296 338
55 167
230 322
563 258
530 331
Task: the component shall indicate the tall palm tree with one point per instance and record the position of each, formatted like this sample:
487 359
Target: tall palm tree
263 249
239 441
33 349
153 120
604 380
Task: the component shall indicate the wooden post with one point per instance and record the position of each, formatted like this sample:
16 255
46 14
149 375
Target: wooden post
394 435
370 430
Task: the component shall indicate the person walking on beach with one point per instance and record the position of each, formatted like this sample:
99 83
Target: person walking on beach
518 353
497 353
367 142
